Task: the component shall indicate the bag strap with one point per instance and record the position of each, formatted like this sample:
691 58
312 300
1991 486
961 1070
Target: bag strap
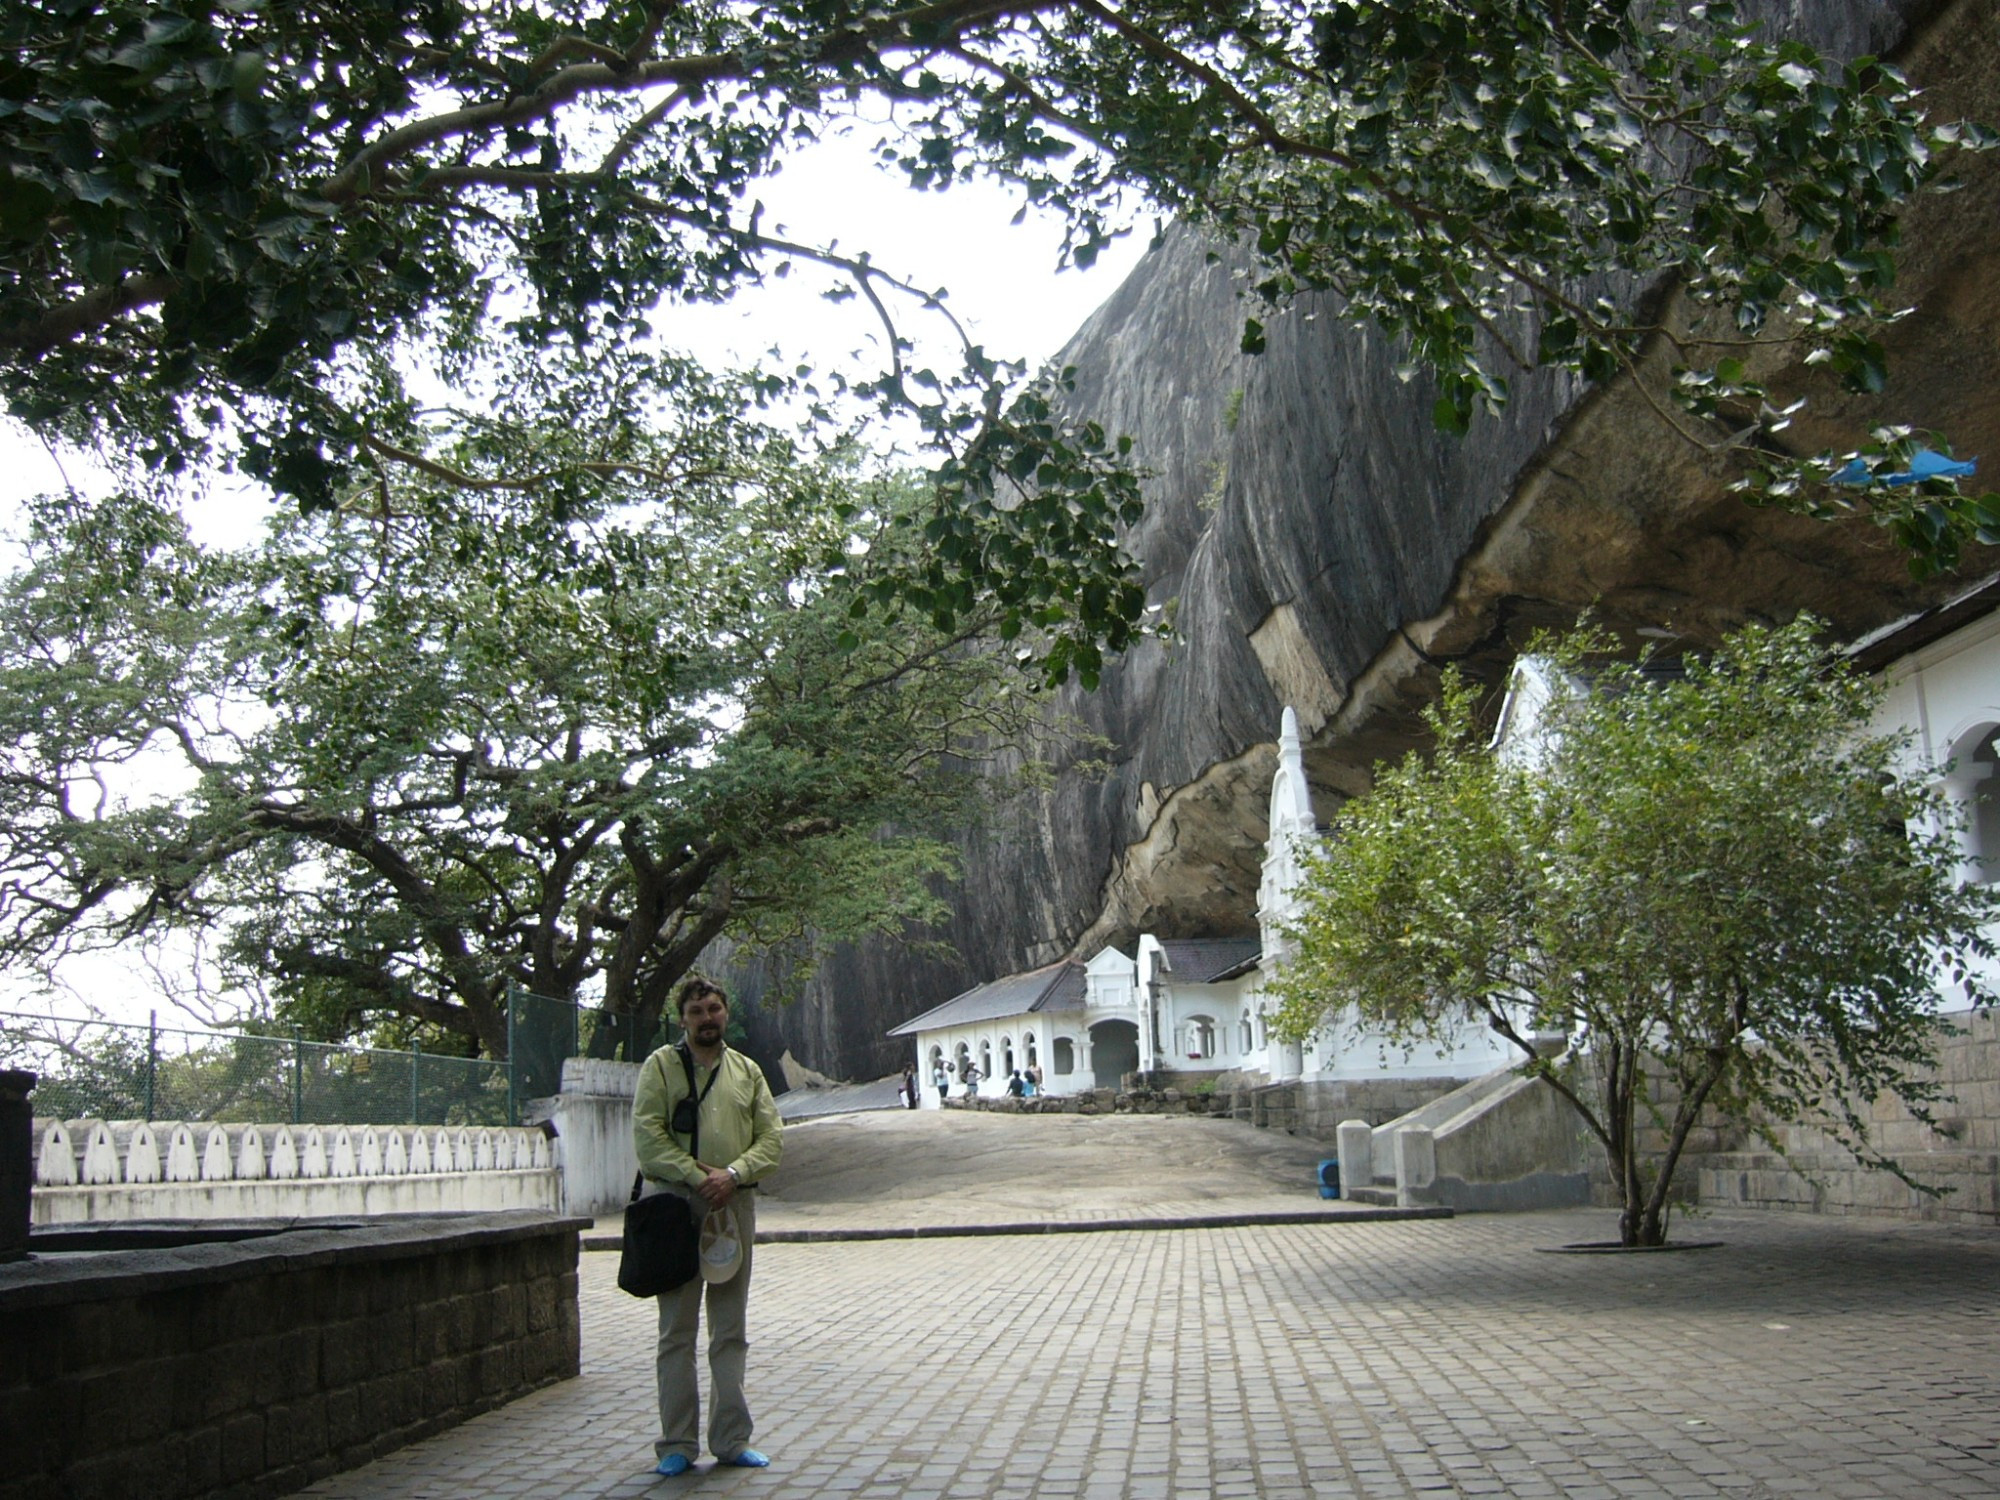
687 1066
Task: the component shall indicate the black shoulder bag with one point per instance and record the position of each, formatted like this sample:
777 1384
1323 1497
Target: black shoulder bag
662 1250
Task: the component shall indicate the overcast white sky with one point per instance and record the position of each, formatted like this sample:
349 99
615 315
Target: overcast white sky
1002 283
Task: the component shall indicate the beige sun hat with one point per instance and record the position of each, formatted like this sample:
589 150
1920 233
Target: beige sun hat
721 1248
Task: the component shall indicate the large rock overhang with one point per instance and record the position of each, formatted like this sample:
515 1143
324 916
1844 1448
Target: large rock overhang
1328 550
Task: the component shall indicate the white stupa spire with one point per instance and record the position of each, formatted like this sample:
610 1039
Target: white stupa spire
1291 795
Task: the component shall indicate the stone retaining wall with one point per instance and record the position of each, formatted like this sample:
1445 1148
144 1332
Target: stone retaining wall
257 1367
1325 1102
1310 1108
1960 1156
1100 1102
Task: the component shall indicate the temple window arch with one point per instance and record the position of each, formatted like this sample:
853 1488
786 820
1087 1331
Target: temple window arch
1198 1037
1063 1055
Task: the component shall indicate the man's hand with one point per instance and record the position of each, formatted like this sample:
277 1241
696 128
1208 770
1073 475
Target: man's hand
718 1187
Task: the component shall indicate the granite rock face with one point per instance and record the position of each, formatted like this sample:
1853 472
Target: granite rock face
1328 549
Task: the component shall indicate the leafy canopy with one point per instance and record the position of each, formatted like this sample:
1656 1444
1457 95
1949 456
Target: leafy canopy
234 221
1716 870
563 737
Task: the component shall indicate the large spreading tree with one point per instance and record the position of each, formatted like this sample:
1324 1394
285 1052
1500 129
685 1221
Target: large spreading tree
387 763
1718 882
241 223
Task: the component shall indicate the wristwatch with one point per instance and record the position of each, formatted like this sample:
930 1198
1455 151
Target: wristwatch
734 1175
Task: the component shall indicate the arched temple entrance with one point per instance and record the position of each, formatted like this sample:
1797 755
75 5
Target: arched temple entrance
1114 1052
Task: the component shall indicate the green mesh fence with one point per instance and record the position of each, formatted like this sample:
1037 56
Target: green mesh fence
113 1071
622 1037
541 1032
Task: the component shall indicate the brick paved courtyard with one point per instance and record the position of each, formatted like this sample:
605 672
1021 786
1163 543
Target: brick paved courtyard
1808 1356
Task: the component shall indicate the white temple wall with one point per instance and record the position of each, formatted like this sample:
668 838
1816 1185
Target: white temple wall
1947 697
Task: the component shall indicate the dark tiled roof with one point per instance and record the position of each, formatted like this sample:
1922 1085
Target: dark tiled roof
1203 960
1056 986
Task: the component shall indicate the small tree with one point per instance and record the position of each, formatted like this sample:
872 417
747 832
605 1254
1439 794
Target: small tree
1717 867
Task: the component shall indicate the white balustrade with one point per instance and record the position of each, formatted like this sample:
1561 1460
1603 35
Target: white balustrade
182 1161
101 1161
98 1153
215 1155
312 1153
250 1154
341 1158
57 1165
599 1076
141 1150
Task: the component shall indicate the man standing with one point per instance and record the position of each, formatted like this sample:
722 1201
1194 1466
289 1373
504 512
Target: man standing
709 1143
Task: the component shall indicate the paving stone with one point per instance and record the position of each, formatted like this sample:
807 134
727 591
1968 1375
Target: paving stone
1328 1361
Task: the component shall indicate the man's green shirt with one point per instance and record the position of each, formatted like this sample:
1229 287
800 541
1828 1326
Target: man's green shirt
740 1127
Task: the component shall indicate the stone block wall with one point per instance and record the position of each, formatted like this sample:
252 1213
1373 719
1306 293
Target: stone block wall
1960 1156
1728 1165
1133 1101
257 1367
1324 1103
1312 1109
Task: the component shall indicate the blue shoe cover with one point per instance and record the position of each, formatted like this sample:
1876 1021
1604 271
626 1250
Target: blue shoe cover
674 1465
749 1458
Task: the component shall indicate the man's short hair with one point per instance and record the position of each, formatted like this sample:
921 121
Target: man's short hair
693 988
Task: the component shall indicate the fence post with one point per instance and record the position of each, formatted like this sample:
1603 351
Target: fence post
152 1056
513 1108
298 1075
416 1062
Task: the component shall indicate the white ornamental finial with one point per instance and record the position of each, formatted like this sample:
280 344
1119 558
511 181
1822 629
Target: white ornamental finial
1291 794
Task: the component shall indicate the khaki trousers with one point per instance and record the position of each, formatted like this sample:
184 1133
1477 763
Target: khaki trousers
680 1311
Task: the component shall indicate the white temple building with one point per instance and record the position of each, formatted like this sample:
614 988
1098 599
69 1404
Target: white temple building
1192 1007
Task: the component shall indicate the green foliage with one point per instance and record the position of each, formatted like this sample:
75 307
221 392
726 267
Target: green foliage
1719 868
231 228
473 734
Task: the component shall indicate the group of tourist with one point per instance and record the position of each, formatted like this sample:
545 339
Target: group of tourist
1022 1083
